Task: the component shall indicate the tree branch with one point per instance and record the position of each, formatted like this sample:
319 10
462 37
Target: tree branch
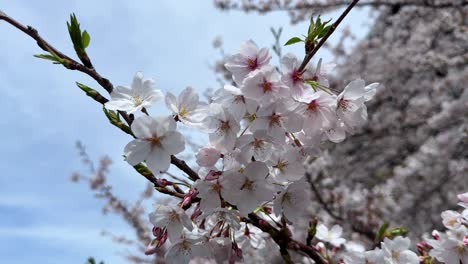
105 83
310 54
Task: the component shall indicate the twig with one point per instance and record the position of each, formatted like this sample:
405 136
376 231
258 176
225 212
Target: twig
283 239
310 54
105 83
364 231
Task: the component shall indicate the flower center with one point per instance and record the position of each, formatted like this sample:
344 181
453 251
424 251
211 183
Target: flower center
275 119
312 106
296 76
343 104
239 99
224 126
183 111
155 140
396 255
267 86
216 187
252 63
281 165
248 185
257 143
137 100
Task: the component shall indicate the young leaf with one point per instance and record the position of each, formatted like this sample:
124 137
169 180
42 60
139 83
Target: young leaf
46 57
381 233
293 41
85 39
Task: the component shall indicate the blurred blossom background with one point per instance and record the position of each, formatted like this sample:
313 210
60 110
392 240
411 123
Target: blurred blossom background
405 166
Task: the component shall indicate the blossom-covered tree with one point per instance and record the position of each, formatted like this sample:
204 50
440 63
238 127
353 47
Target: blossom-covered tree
245 199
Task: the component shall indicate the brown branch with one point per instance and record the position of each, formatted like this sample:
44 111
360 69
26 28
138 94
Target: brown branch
310 54
283 239
356 228
105 83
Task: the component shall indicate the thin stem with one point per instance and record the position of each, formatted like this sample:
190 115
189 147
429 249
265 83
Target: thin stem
310 54
105 83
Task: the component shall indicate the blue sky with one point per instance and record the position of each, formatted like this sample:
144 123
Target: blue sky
44 217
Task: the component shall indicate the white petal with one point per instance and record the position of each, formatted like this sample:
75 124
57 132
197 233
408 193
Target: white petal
122 105
158 160
143 127
136 151
173 142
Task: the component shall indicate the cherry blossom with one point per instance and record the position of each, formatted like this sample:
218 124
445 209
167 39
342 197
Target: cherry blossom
156 140
223 128
249 59
131 100
332 236
187 248
395 251
292 201
292 77
264 85
207 156
186 106
246 188
172 218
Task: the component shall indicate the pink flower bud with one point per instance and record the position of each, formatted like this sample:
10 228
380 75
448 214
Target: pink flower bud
189 196
196 213
213 175
163 182
435 235
208 156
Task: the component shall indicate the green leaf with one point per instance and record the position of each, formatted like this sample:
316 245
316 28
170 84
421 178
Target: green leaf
381 233
293 41
47 57
85 38
83 87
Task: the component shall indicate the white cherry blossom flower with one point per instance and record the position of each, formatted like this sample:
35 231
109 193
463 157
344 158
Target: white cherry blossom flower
395 251
209 193
235 102
350 103
207 156
277 119
223 128
186 106
369 257
321 72
293 201
249 59
449 248
451 219
264 85
156 140
173 218
246 188
287 164
292 77
332 236
258 145
131 100
318 110
187 248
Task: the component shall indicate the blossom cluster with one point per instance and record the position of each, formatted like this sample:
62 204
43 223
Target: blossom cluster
261 128
450 247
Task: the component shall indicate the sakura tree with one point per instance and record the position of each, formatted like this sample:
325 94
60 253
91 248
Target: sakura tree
247 194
